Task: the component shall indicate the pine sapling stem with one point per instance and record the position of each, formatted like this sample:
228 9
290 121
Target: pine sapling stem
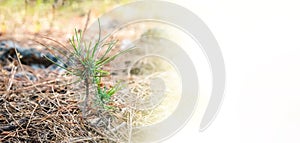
87 92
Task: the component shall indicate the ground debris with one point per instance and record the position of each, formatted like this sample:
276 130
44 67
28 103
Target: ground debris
44 118
38 106
28 56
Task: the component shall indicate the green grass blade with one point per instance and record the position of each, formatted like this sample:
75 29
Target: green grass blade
109 59
110 46
58 64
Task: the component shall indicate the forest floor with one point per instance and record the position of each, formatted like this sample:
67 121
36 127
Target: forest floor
36 104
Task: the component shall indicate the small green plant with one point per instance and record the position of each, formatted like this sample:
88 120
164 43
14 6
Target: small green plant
104 95
88 65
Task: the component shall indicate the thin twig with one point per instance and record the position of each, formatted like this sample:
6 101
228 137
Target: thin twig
36 105
86 23
90 139
130 126
10 82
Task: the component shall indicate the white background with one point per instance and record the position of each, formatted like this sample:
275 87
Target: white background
260 41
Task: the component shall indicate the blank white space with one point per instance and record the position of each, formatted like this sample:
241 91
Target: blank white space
260 41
